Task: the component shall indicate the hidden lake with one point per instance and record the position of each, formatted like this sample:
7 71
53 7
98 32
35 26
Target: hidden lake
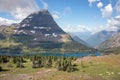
80 54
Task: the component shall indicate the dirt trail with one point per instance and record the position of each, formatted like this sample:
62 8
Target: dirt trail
38 75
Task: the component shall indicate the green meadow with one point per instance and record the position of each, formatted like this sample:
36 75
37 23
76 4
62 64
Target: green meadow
105 67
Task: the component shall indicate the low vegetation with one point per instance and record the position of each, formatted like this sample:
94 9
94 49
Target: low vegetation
60 68
60 63
115 50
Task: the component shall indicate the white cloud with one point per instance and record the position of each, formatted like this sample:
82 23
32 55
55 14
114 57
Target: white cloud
107 11
113 23
91 1
56 15
18 8
117 16
78 28
100 4
20 13
4 21
98 29
117 6
45 5
67 10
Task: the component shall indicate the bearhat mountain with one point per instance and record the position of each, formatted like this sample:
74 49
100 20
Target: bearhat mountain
42 27
40 30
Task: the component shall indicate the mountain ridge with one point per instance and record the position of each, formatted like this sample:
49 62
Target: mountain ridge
38 32
42 26
112 42
99 37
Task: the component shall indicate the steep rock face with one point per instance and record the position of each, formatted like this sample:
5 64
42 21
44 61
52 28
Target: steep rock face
41 21
99 37
42 27
112 42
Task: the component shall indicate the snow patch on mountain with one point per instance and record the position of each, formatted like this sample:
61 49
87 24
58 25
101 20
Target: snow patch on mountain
32 31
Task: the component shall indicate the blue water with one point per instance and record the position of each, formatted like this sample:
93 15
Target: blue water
82 54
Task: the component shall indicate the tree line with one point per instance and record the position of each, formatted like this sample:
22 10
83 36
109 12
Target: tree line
61 63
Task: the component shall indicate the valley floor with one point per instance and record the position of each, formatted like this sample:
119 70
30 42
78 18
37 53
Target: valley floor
88 68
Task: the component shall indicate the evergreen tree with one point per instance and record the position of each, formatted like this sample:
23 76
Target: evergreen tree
0 68
49 62
69 67
64 64
19 63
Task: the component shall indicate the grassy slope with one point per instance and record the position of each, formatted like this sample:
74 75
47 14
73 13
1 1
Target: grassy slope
25 41
4 44
115 50
94 68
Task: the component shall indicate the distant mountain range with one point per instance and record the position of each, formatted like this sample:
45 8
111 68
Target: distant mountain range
112 42
82 35
99 37
107 41
77 39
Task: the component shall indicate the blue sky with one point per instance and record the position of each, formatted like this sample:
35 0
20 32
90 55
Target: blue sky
71 15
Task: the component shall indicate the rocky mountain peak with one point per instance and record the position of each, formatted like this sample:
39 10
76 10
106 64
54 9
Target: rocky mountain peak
42 21
42 27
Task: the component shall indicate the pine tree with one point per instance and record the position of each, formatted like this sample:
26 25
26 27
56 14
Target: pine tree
40 62
69 67
19 63
48 62
0 68
64 64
